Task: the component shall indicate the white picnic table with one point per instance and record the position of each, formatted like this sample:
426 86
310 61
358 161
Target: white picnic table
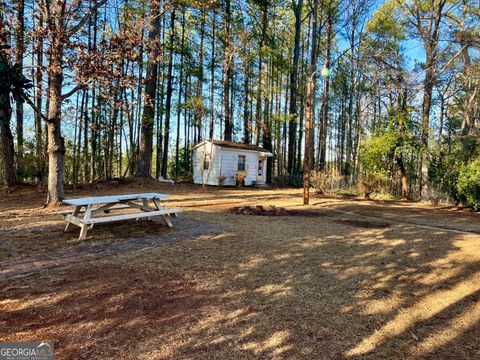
85 208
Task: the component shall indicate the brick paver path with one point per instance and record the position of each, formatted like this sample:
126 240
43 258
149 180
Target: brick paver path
24 266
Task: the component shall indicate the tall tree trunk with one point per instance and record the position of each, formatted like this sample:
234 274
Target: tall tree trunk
199 94
75 135
56 144
86 155
322 143
6 140
58 35
168 104
78 145
259 125
292 121
93 136
246 114
39 143
159 103
470 79
430 41
6 143
309 121
93 115
158 161
267 126
20 32
144 168
186 123
212 82
442 117
343 137
426 106
112 130
304 56
6 137
179 102
351 91
136 111
227 72
358 134
285 132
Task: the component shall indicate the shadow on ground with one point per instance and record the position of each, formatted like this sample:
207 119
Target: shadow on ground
276 287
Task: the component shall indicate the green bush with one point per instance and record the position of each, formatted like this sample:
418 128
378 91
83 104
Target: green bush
449 161
469 184
377 153
384 197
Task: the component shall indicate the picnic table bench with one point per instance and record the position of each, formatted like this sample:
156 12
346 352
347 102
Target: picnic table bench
85 209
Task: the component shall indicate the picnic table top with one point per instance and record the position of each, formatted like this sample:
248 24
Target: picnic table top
112 199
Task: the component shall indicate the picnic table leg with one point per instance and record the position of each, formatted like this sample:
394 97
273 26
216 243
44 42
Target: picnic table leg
85 227
75 213
165 217
146 208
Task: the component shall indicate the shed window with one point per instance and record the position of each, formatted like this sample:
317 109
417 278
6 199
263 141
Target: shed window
206 162
241 163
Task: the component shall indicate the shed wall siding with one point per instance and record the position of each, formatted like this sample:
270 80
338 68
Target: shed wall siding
230 165
224 162
201 176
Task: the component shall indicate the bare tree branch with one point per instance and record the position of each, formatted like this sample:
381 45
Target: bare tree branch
30 102
73 91
82 22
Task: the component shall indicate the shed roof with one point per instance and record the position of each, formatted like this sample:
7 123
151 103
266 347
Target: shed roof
234 145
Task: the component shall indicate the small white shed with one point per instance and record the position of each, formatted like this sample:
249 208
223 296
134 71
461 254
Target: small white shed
215 159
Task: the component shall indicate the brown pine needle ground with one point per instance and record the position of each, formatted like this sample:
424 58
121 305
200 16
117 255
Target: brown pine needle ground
332 286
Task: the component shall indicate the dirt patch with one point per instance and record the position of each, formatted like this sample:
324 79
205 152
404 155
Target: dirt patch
363 224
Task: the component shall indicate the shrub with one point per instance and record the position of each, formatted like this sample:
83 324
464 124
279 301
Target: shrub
469 184
372 182
318 180
221 180
324 182
377 153
452 159
384 197
240 177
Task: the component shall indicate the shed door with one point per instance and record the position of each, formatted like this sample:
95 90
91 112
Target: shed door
260 168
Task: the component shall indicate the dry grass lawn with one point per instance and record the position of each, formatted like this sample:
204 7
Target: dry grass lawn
337 285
